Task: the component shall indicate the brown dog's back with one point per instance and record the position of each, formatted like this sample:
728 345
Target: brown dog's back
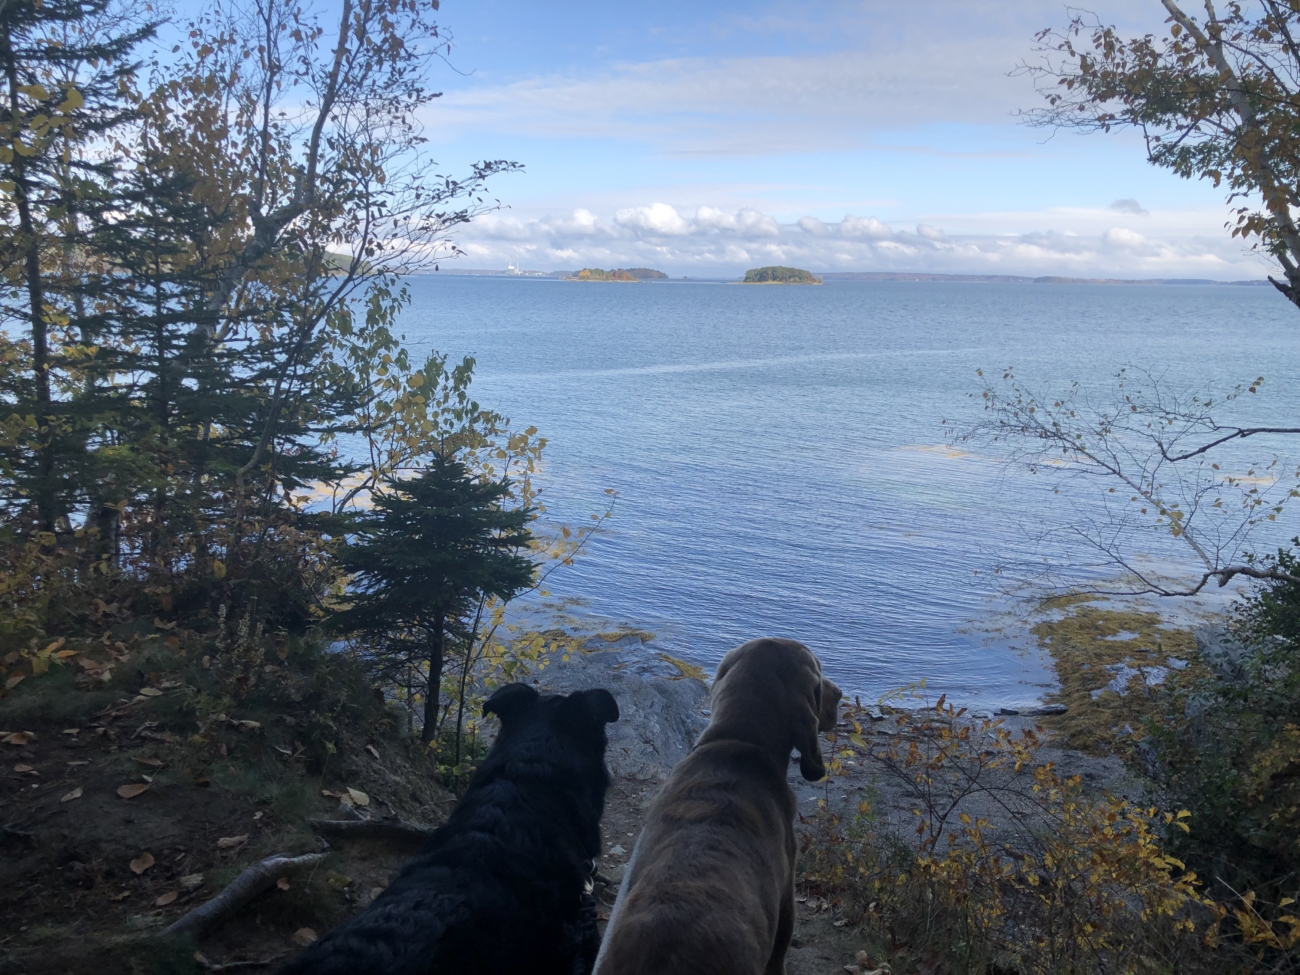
718 815
710 889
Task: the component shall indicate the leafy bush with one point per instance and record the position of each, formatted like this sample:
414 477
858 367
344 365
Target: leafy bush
1062 883
1227 748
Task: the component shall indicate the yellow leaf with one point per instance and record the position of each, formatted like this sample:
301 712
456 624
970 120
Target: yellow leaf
218 568
72 100
40 665
359 797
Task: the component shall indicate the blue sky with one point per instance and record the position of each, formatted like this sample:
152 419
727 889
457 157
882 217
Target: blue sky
710 137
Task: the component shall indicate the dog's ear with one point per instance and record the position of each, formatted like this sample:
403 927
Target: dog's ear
596 705
807 722
828 714
510 701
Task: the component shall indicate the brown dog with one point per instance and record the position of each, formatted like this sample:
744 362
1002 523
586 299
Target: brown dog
710 887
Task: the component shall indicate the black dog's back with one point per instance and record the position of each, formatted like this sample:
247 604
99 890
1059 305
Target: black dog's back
499 887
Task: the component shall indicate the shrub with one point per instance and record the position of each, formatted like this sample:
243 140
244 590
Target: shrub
1061 883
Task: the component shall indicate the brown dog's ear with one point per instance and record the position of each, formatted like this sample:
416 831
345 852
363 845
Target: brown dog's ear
807 721
829 706
510 701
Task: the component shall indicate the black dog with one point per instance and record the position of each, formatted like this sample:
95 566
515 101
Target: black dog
501 886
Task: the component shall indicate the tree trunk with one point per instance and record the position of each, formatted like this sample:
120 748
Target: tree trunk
434 689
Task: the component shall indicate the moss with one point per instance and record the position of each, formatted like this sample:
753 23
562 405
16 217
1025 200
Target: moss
1087 640
686 669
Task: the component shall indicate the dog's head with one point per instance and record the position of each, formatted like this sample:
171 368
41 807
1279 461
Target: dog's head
566 729
778 684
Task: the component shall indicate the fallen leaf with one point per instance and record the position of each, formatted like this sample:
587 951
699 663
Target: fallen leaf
375 892
14 681
249 725
191 880
65 654
147 778
150 692
90 665
373 751
120 897
163 626
74 794
19 738
167 898
149 760
142 863
337 880
55 645
304 936
332 794
132 790
359 797
230 842
283 883
25 769
80 761
72 731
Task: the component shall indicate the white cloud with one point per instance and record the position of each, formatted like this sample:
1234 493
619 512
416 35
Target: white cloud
715 240
852 226
658 220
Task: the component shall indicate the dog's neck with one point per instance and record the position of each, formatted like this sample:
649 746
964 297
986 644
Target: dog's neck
733 722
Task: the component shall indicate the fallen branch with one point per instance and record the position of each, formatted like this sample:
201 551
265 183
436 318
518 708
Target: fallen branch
253 881
231 966
372 829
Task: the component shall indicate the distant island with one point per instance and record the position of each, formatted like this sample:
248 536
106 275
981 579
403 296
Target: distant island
780 275
618 274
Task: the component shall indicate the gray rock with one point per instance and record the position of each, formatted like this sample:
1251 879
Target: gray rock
659 710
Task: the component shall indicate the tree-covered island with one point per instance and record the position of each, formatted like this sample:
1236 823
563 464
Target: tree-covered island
619 274
780 275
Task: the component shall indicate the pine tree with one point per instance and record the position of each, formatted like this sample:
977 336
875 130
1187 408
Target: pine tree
428 551
62 92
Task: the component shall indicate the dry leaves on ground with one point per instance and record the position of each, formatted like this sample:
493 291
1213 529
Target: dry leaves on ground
165 899
74 794
142 863
230 842
132 790
304 936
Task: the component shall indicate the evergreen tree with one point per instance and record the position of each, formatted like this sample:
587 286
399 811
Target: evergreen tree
423 557
63 94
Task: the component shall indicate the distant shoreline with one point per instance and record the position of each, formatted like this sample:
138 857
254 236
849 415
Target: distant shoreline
1015 278
906 276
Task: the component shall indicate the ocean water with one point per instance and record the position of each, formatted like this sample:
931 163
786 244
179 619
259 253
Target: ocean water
780 456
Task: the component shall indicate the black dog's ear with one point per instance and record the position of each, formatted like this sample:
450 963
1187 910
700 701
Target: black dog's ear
597 705
510 701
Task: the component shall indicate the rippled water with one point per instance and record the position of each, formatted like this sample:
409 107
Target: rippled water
779 452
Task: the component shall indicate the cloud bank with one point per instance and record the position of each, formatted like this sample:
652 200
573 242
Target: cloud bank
711 240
